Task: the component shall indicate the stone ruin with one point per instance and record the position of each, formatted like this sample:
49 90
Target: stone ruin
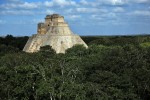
54 32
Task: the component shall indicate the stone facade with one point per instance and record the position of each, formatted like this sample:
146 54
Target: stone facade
54 32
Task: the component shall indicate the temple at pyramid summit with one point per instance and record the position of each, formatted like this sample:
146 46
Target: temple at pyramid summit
54 32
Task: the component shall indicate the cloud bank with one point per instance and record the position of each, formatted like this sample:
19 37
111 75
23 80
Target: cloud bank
98 13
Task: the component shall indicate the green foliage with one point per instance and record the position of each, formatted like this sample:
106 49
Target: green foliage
118 40
106 70
16 42
47 51
77 50
47 48
7 49
145 44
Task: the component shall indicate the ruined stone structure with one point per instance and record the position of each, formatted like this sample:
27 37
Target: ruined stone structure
54 32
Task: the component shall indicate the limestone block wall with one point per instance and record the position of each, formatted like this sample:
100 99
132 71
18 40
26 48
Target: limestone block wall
61 43
58 42
33 44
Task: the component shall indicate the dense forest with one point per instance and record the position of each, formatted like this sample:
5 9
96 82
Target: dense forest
112 68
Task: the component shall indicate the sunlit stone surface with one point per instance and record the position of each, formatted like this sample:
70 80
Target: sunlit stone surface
54 32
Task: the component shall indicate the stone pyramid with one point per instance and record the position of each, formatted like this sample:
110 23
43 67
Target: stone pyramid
54 32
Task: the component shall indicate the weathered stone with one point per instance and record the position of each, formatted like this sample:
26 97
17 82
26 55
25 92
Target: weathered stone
54 32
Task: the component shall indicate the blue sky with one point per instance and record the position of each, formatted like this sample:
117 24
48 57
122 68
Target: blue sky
85 17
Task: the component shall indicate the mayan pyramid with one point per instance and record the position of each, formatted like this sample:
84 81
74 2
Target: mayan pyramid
54 32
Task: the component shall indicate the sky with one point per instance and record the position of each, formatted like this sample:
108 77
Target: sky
85 17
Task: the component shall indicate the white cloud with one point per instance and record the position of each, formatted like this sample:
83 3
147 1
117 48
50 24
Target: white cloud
110 15
97 17
137 1
111 2
15 1
12 0
25 5
90 10
29 5
74 16
128 1
140 1
105 16
48 4
60 3
49 11
16 12
141 13
37 20
117 2
69 10
118 9
84 10
84 2
2 21
64 2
